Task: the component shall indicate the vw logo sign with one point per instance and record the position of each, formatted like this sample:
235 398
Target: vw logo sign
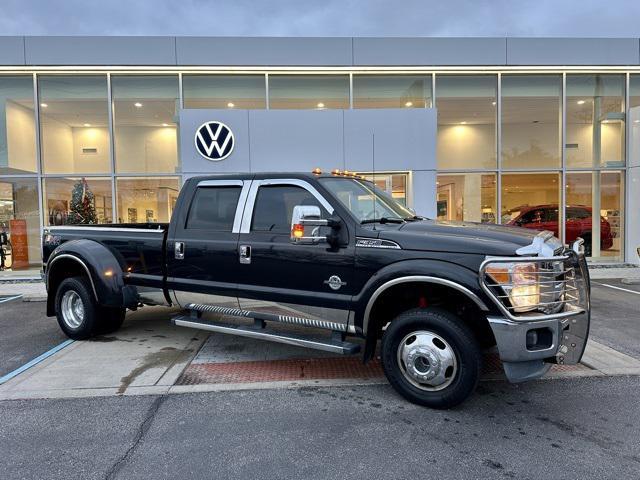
214 141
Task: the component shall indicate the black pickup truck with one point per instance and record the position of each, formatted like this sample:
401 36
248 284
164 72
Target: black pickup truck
335 255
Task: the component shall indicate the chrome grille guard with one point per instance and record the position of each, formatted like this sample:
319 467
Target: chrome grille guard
562 281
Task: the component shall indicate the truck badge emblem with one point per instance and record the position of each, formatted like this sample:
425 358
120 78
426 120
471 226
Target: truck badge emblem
214 141
335 282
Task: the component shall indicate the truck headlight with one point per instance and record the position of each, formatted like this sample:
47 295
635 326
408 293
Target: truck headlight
519 280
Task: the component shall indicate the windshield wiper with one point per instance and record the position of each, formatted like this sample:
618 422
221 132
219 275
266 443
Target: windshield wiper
382 220
413 218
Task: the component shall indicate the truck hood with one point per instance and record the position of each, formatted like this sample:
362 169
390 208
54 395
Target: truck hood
461 237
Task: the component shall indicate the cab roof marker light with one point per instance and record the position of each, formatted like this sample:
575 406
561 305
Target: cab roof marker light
317 171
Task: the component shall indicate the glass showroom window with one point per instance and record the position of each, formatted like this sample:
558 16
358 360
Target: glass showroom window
19 225
595 121
146 200
466 121
308 91
395 184
531 119
391 91
634 117
582 205
531 200
145 121
77 201
224 91
74 123
17 126
469 196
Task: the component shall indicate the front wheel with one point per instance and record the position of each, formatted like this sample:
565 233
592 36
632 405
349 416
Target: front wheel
431 357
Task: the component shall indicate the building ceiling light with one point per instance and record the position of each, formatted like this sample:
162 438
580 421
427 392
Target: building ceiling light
581 102
44 105
87 124
165 124
137 105
636 121
320 105
408 104
231 104
494 103
463 123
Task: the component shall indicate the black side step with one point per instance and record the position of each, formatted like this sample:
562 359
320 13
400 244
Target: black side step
334 344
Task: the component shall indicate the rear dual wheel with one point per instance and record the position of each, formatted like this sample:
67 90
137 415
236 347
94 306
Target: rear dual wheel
431 357
78 314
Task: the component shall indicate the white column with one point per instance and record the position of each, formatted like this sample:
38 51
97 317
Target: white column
632 207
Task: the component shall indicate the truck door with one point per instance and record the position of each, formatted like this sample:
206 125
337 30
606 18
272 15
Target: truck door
277 277
202 258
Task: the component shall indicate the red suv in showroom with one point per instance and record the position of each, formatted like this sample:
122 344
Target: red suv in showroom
545 217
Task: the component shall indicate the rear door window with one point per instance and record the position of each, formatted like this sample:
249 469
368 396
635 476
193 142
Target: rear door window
213 208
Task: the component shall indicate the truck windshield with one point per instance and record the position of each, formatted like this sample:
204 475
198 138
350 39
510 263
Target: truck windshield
366 201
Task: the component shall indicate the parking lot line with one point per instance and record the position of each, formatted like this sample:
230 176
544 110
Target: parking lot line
35 361
8 299
617 288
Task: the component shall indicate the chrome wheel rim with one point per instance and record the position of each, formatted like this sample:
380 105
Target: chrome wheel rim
72 309
427 360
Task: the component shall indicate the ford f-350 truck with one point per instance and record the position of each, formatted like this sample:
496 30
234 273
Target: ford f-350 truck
333 254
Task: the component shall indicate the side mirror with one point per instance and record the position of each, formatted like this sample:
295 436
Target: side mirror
308 216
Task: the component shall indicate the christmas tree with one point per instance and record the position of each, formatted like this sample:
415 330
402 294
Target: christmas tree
82 207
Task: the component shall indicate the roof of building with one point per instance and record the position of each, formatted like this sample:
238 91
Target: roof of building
316 51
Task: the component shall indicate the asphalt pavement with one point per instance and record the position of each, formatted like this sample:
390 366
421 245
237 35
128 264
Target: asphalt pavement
26 333
615 315
571 428
562 428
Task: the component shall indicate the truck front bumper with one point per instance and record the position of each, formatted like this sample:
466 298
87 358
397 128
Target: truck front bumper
528 349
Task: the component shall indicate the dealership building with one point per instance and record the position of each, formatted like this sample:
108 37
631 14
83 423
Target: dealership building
538 132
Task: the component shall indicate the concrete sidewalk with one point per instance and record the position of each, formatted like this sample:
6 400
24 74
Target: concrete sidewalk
31 292
151 356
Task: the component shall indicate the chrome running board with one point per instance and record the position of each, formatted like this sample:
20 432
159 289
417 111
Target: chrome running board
333 344
269 317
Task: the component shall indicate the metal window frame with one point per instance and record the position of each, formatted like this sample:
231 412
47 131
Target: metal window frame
245 226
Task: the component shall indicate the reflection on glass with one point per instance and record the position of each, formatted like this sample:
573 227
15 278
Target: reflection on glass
467 196
391 91
19 225
595 121
74 123
395 184
17 126
146 200
531 117
308 91
145 120
531 200
77 201
466 121
581 205
224 91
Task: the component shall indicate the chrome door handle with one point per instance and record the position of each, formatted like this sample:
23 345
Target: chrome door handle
245 254
179 250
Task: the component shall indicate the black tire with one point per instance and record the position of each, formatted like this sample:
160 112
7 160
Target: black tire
72 326
588 246
460 342
111 320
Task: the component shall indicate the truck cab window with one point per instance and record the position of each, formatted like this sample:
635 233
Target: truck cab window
213 208
274 207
